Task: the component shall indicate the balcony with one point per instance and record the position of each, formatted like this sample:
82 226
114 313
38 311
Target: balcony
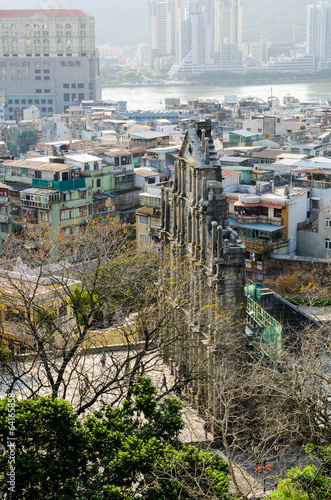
259 244
250 219
70 185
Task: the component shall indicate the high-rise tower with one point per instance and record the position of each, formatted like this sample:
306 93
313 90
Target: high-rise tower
318 41
163 20
48 59
225 18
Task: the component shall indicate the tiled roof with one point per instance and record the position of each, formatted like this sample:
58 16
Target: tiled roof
43 12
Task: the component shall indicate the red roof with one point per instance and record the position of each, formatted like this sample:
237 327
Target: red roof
228 173
43 12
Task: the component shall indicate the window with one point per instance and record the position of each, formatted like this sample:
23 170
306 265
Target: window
38 91
47 91
73 85
142 219
73 97
82 211
98 183
327 244
43 110
81 97
328 222
3 210
315 204
66 97
81 85
36 101
4 228
96 165
144 238
46 78
44 216
38 78
277 212
264 211
86 166
43 101
66 85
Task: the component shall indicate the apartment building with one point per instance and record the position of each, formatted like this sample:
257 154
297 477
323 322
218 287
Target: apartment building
48 59
318 41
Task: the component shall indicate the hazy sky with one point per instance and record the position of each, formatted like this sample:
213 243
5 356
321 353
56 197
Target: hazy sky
124 22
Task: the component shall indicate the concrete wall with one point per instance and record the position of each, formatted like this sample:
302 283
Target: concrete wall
311 242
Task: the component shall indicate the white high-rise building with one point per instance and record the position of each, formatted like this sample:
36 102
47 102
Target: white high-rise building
225 19
194 40
163 21
318 42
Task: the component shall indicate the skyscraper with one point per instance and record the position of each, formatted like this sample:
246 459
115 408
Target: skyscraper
163 20
318 42
48 59
194 46
225 19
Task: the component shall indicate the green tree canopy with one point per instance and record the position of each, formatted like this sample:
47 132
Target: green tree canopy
113 453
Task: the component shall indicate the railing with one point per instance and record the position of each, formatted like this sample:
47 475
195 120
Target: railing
256 243
276 221
259 314
69 185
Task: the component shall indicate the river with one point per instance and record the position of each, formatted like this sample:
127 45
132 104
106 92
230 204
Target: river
153 97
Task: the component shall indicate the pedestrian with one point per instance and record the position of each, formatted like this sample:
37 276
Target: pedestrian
205 428
178 389
141 368
164 382
103 360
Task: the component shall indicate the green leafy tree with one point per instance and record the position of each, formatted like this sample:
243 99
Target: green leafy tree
118 452
313 482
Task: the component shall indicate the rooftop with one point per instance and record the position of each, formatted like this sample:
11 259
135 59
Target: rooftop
149 134
47 166
14 13
244 133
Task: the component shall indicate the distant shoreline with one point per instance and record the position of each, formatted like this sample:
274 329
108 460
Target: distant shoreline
258 81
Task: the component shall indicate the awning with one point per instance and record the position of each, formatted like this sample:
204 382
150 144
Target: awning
316 198
246 205
258 226
254 205
269 205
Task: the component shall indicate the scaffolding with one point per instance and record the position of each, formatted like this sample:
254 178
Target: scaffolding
270 330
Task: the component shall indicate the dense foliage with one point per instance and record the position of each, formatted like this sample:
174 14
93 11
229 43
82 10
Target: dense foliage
313 482
114 453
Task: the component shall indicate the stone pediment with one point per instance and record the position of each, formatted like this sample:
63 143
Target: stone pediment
187 150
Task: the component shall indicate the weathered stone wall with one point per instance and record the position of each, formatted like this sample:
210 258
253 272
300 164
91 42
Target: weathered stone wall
285 274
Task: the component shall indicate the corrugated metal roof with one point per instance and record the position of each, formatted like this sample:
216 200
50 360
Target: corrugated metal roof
259 226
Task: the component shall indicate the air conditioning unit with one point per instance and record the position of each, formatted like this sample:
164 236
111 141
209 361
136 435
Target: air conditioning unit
253 257
5 218
87 220
5 199
101 191
148 229
50 184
